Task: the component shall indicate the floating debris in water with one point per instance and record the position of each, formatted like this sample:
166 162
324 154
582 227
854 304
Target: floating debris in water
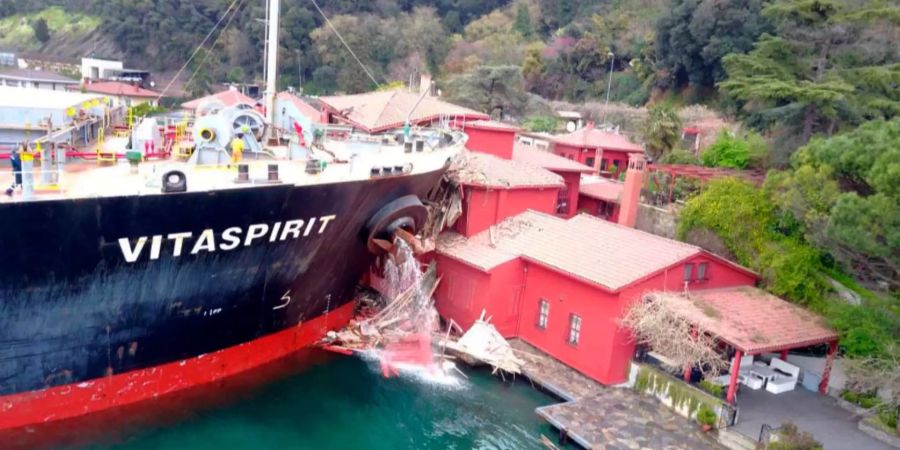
398 329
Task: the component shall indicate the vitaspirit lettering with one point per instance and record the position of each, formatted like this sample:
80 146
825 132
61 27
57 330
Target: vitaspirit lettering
210 240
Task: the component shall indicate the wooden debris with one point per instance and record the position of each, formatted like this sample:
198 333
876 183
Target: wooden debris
484 343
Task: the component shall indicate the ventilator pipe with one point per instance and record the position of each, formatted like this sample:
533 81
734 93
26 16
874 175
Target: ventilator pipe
207 134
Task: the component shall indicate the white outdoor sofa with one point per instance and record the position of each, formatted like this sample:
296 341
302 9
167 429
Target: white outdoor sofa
785 378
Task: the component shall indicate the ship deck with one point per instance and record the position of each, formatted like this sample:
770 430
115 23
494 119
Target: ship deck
82 178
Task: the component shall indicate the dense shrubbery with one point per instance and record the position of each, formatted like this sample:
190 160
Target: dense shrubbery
749 225
734 152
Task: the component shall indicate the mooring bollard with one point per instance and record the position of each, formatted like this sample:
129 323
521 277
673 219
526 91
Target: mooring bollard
243 173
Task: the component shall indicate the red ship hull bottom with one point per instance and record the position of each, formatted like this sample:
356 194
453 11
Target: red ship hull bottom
74 400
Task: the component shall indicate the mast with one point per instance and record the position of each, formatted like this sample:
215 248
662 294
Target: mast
272 62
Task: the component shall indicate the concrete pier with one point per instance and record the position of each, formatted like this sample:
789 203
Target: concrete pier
599 417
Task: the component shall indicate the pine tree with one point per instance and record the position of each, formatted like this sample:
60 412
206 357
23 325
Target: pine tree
820 70
41 30
523 23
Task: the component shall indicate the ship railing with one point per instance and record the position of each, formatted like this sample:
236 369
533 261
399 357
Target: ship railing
37 181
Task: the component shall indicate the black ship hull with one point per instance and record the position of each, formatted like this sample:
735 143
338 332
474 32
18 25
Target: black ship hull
97 288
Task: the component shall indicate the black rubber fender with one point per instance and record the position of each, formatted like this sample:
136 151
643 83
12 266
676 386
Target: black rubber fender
406 212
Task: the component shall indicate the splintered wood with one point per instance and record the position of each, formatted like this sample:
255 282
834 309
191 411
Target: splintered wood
382 321
484 343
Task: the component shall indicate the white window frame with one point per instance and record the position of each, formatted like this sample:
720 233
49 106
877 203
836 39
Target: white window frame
543 313
575 322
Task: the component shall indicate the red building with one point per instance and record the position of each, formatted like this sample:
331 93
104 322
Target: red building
562 284
499 139
606 152
494 138
495 189
600 197
570 171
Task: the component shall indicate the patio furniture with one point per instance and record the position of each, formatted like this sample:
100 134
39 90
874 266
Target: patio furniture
753 381
763 371
785 378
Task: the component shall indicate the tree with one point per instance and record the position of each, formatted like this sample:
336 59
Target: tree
661 130
844 191
820 69
540 124
654 322
728 151
493 89
523 23
756 233
692 40
41 31
236 75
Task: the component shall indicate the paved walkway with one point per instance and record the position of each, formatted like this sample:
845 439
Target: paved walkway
833 426
601 418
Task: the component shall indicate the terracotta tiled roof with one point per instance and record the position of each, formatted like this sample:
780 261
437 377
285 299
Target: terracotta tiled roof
585 247
492 125
601 189
35 75
305 108
227 98
378 111
119 88
548 160
752 320
589 137
481 169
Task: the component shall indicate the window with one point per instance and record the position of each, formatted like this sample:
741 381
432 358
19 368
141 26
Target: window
589 161
688 269
604 209
543 314
604 163
574 329
701 271
562 201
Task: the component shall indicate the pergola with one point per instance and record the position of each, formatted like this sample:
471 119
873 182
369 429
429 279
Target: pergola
704 174
754 322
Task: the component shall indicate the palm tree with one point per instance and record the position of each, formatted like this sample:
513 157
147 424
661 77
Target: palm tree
662 130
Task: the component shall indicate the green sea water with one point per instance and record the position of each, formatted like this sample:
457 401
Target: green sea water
334 402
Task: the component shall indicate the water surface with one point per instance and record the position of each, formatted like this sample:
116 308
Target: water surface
335 403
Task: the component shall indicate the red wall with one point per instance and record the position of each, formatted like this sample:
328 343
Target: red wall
465 291
495 142
573 184
591 205
575 153
483 207
599 311
611 156
719 274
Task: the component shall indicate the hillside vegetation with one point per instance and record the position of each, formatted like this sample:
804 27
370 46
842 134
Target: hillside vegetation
69 34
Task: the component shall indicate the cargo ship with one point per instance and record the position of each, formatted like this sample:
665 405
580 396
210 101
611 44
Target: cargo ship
131 281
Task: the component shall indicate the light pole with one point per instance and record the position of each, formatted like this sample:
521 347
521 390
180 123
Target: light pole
609 85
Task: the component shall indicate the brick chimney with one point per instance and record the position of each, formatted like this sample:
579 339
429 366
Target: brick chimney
631 193
425 83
